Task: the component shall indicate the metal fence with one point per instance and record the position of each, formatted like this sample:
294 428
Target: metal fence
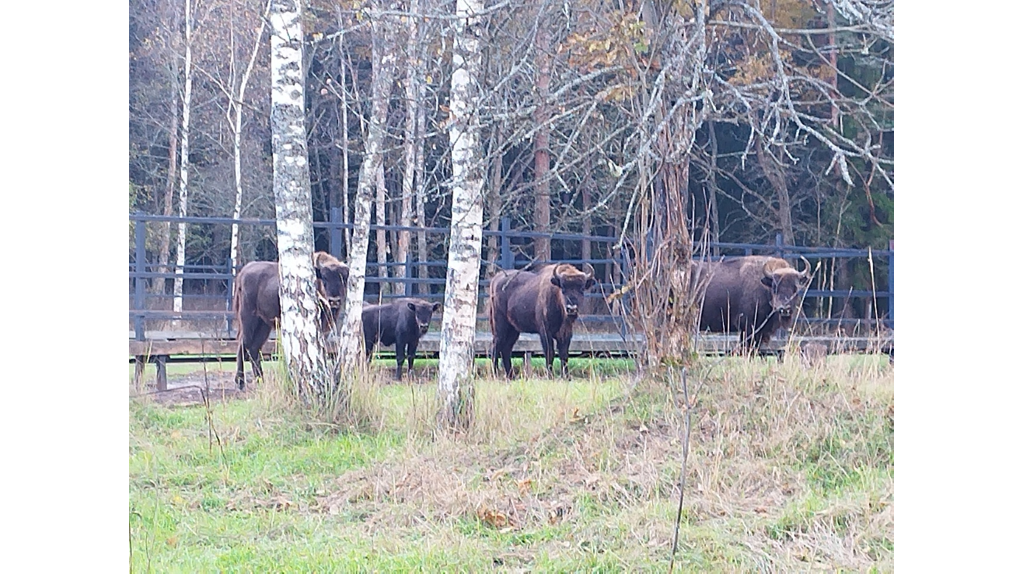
207 294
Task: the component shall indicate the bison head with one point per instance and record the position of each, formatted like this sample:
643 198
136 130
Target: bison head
423 312
573 283
785 285
332 279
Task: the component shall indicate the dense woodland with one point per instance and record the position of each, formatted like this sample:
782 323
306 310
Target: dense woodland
684 122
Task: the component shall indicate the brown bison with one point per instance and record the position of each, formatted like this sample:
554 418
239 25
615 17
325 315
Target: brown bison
258 304
545 301
400 323
753 295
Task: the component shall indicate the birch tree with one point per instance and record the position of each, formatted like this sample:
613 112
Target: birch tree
299 333
351 345
235 107
380 210
186 113
458 322
412 105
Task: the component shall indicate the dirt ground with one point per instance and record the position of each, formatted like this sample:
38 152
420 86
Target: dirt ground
187 389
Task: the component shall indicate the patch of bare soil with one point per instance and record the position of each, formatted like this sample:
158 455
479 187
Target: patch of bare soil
188 389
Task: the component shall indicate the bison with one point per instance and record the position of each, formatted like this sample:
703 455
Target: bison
752 295
401 323
545 301
258 304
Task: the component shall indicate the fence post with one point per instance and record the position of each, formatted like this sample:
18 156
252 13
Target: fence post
506 249
140 281
892 275
779 251
335 232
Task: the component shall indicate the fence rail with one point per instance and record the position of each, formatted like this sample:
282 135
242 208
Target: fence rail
426 278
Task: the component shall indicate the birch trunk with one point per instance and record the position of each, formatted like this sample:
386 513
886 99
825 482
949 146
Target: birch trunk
541 142
380 208
412 105
343 128
351 344
299 334
186 112
458 323
159 285
236 127
421 130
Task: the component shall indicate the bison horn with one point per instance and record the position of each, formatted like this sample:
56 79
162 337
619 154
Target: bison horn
807 266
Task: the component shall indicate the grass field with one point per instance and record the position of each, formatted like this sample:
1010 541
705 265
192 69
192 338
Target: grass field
790 469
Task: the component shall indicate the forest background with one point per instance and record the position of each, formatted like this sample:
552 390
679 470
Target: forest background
752 120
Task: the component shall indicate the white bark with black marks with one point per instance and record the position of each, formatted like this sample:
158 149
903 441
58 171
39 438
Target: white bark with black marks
236 104
351 353
299 334
186 113
458 324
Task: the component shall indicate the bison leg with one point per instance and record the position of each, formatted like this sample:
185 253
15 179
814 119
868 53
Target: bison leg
411 356
252 337
240 366
255 348
399 358
503 349
549 352
563 354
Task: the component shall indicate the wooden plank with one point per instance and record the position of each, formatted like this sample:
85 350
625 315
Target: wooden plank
584 343
191 347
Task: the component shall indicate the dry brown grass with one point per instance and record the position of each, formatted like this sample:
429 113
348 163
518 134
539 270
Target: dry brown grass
791 468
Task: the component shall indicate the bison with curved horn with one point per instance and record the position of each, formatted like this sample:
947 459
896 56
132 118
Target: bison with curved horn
753 295
257 304
545 300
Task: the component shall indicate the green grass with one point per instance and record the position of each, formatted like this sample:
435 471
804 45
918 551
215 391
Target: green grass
790 469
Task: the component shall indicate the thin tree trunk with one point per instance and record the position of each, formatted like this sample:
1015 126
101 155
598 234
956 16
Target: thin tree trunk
541 141
239 105
412 105
159 285
382 236
419 178
351 352
587 229
713 196
343 128
458 323
298 332
777 177
186 113
494 199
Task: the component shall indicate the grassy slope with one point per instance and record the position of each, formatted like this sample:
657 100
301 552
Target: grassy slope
790 469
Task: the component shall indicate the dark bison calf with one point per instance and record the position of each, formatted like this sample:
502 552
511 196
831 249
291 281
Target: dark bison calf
544 301
753 295
257 301
401 323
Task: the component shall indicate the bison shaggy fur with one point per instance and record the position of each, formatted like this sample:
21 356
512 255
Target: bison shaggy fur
257 302
753 296
545 301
